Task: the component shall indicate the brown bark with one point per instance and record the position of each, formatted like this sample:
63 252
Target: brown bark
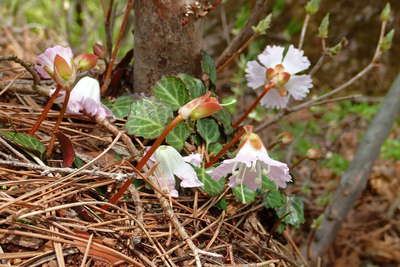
166 41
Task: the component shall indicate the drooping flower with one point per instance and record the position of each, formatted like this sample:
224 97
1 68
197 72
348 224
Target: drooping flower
200 107
251 161
281 69
169 164
195 159
85 99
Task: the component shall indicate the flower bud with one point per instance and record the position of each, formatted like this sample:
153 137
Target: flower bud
98 50
323 27
313 154
64 73
312 6
386 43
287 138
386 13
200 107
85 62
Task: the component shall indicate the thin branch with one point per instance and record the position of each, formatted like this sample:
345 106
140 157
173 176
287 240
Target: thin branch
27 66
354 180
32 166
304 30
258 13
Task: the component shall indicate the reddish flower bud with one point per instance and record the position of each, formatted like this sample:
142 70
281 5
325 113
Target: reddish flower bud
98 50
85 62
200 107
64 73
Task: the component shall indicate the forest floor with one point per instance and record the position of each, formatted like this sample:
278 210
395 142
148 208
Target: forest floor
53 215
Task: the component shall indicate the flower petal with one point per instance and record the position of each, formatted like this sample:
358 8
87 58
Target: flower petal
188 176
274 100
295 61
195 159
255 74
271 56
222 170
278 171
298 86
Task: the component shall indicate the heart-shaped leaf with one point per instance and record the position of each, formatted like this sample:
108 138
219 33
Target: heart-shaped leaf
148 118
295 207
208 67
171 90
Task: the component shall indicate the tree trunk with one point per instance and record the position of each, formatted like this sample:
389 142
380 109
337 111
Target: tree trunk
167 41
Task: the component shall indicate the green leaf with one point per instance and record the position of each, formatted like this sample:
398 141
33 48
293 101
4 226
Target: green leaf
148 118
274 199
222 204
386 12
26 141
208 67
171 90
225 118
211 186
243 194
213 149
208 129
312 6
178 135
195 86
323 27
121 106
295 207
263 25
267 184
387 41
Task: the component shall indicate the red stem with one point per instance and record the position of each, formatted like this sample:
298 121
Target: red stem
45 110
235 139
254 105
114 199
58 122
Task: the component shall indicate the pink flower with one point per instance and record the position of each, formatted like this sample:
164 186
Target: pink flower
200 107
250 163
45 61
281 70
195 159
85 99
169 164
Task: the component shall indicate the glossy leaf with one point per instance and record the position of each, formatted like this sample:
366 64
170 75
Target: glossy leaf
274 199
208 67
195 86
295 207
172 91
208 130
178 135
211 186
225 118
26 141
148 118
121 106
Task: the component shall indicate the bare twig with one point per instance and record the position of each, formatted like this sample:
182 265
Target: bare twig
258 13
27 66
304 30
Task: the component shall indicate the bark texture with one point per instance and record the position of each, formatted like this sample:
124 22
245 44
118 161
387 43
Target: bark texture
166 41
354 180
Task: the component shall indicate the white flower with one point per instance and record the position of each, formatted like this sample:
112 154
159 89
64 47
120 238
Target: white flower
282 71
85 99
250 163
171 163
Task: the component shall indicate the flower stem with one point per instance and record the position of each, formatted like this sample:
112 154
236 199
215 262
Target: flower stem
58 122
114 199
235 139
45 110
267 87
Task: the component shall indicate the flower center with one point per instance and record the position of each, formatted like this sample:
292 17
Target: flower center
279 77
